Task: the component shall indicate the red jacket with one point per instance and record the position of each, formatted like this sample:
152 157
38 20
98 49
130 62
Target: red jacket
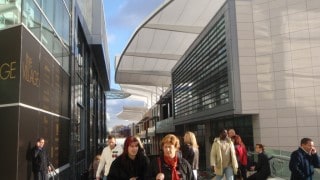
241 153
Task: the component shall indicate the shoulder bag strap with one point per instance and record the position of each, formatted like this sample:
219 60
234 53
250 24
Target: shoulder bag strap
159 164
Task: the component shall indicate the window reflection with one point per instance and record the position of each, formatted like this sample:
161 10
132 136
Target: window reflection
50 26
9 13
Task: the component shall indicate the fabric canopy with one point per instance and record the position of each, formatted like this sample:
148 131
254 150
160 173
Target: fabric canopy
144 67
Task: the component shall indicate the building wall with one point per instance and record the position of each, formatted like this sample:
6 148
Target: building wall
279 68
53 78
90 79
207 86
92 17
273 71
246 57
201 80
34 104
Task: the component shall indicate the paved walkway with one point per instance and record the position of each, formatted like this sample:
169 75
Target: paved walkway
207 175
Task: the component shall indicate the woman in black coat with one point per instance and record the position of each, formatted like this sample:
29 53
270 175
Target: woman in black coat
132 164
170 165
262 167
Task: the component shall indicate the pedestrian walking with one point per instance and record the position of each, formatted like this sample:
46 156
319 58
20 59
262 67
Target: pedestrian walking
170 165
109 154
223 158
132 164
190 151
242 157
304 160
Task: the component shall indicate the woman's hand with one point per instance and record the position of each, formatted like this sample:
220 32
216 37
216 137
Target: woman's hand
160 176
213 169
252 168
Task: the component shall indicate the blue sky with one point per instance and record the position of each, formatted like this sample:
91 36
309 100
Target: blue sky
123 17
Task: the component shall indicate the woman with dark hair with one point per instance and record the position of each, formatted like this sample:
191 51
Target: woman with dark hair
242 157
170 165
131 164
262 167
40 161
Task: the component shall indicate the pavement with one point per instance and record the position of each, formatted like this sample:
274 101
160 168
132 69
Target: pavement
205 175
209 175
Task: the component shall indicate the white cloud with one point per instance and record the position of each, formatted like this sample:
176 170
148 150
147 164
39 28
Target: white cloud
132 12
111 38
120 24
108 117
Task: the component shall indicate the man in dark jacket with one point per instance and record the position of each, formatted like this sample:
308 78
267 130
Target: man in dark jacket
40 161
304 160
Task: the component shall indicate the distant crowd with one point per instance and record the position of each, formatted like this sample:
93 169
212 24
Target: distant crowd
228 159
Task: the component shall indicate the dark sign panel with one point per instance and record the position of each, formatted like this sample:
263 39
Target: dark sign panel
28 133
46 77
64 143
57 84
30 69
55 131
8 135
42 83
9 65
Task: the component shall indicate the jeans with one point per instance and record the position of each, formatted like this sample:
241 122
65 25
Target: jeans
104 177
228 171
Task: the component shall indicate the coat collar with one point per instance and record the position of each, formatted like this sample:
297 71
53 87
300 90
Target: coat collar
228 140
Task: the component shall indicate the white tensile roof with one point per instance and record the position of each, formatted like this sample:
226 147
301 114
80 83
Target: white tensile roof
159 43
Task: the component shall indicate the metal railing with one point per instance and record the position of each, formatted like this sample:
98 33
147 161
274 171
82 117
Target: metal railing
279 165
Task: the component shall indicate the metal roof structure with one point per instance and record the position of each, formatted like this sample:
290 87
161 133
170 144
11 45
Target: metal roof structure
160 42
135 113
117 94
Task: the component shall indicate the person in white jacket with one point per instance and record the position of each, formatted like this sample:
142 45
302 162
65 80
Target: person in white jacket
109 154
223 158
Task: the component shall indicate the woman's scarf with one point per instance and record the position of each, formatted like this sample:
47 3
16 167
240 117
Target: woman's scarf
172 162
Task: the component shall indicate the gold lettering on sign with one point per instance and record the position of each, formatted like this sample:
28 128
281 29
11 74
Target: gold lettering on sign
7 70
29 73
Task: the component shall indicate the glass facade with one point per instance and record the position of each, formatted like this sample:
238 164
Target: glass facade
10 13
199 131
49 21
59 96
79 89
242 125
88 104
200 82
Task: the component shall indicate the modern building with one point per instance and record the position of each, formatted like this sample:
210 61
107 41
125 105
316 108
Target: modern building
251 65
54 72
